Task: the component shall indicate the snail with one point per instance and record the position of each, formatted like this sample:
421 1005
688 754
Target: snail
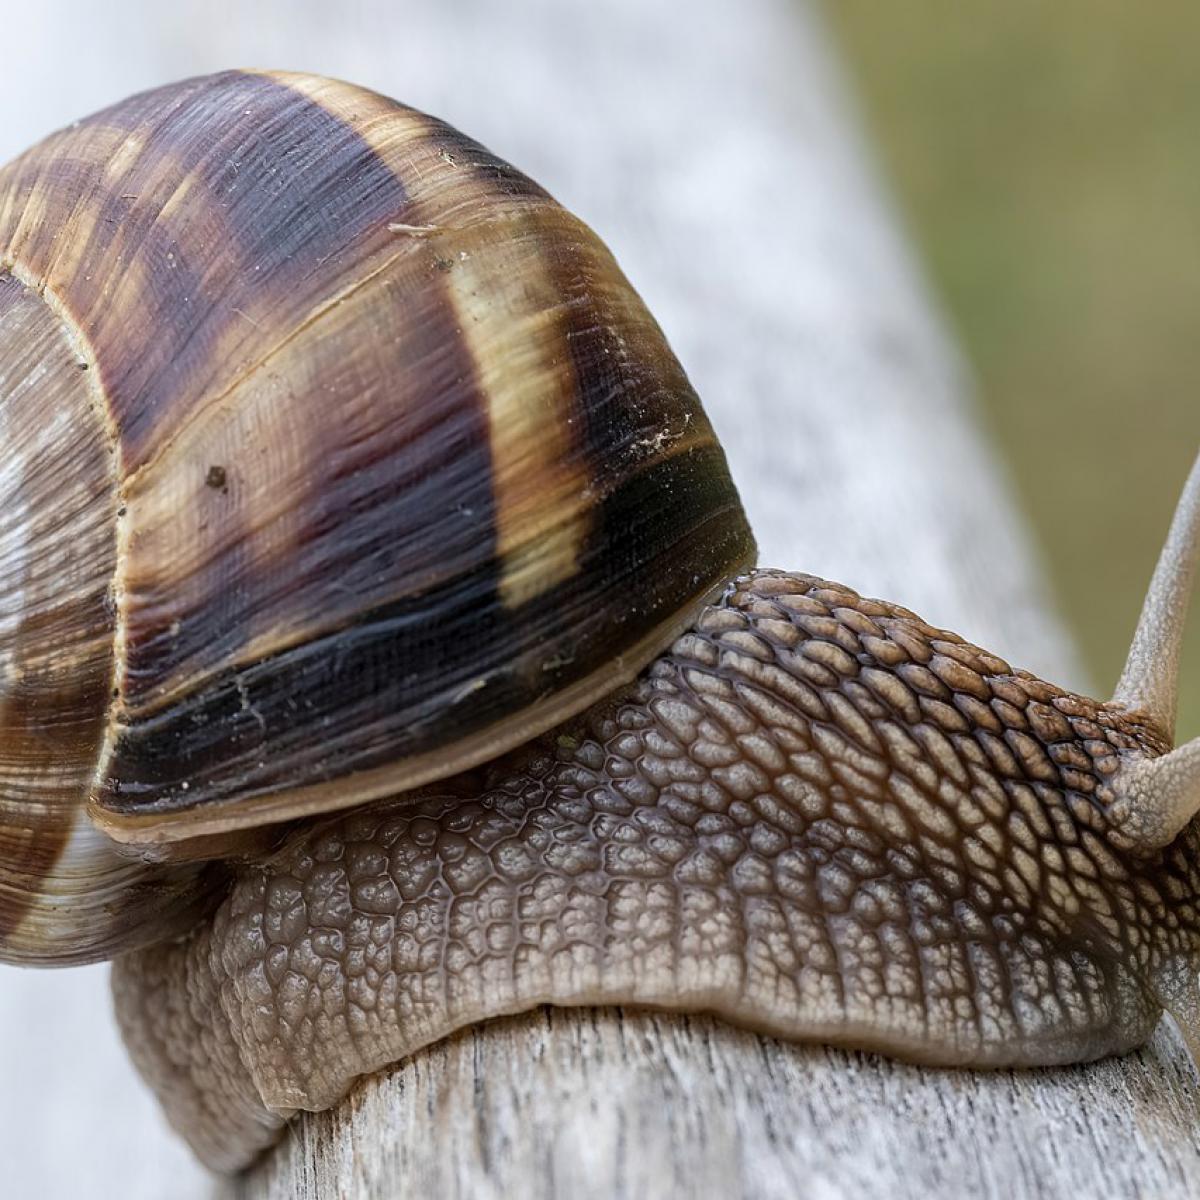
382 650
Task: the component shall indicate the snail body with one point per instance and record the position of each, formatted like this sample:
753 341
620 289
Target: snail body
380 652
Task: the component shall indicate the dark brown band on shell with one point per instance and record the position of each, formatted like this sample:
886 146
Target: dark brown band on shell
403 454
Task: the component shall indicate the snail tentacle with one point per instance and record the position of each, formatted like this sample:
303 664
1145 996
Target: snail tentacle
1150 679
1157 797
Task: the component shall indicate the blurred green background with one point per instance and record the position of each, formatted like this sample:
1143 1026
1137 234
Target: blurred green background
1047 159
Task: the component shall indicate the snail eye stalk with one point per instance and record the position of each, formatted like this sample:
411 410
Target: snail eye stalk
1157 797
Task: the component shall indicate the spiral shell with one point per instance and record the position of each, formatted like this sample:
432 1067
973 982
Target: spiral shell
337 457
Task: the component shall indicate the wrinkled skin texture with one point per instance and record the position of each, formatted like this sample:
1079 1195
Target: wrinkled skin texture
815 816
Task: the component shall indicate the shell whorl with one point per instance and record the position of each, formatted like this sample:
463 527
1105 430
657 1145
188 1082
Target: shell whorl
60 879
398 470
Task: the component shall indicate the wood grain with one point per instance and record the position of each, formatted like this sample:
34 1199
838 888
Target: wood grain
710 142
598 1104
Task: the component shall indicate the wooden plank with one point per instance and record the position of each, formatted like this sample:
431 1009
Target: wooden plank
587 1103
711 144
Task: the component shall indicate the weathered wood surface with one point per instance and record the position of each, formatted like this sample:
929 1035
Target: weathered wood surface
709 142
596 1104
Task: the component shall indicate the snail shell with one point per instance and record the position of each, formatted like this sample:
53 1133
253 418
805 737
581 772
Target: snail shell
337 457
